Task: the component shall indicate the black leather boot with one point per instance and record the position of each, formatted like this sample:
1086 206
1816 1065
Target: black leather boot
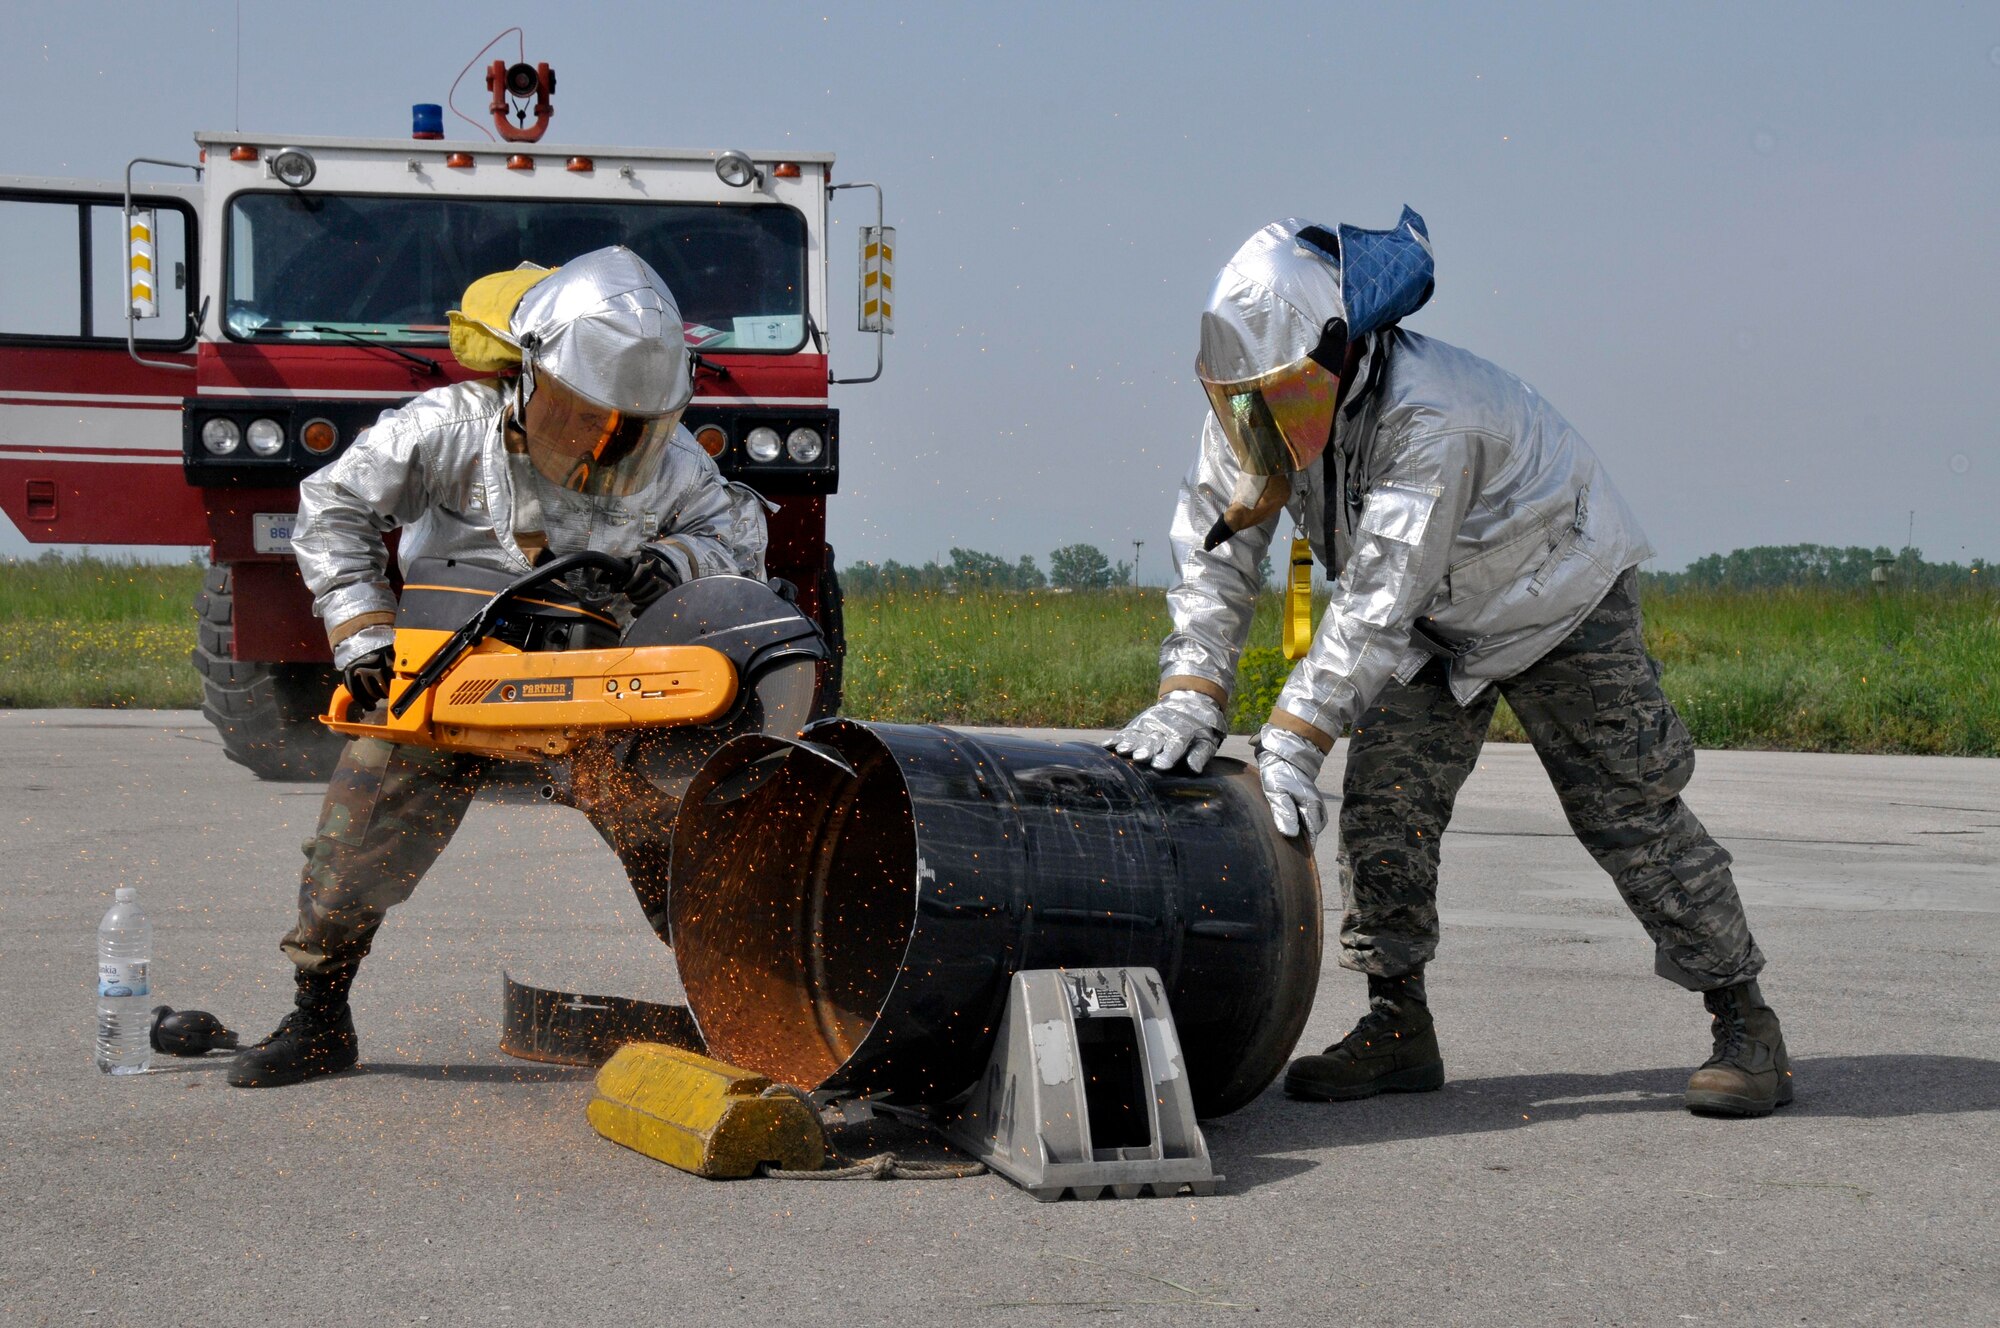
1749 1074
1392 1050
316 1038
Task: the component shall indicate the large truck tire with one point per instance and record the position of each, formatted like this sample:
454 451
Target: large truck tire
266 714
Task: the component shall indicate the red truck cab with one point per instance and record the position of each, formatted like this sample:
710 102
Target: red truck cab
189 352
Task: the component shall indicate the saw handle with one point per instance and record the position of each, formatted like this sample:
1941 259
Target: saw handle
338 704
481 623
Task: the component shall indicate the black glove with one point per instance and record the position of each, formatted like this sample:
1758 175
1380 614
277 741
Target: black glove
367 678
189 1032
650 577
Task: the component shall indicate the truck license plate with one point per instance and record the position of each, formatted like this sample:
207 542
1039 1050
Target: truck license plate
271 532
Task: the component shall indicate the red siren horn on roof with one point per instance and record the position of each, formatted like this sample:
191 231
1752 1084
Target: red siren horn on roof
512 86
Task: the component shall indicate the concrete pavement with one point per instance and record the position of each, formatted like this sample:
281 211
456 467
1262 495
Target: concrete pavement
1555 1180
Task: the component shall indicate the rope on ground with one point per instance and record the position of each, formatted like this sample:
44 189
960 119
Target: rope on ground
882 1166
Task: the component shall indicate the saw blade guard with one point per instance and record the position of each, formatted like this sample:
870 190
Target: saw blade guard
778 654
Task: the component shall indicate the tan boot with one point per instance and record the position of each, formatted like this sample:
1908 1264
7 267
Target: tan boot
1749 1074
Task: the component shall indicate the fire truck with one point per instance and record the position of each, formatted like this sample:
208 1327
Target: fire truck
184 353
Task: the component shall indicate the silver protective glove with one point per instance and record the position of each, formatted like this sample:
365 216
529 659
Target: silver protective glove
1181 725
1288 767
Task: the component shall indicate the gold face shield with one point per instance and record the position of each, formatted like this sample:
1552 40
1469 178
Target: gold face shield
1276 422
591 449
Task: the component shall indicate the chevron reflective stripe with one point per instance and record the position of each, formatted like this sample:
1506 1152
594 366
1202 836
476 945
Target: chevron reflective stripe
139 257
878 279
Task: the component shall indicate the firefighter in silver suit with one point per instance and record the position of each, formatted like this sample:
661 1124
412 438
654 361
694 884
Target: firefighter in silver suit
1476 549
575 445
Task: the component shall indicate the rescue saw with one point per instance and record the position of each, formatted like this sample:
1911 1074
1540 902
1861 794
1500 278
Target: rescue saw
527 668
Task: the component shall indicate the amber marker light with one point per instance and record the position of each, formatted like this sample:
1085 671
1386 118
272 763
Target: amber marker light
243 152
319 436
460 160
580 165
712 439
786 170
520 161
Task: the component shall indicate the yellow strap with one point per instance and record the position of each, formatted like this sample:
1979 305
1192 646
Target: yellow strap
1299 600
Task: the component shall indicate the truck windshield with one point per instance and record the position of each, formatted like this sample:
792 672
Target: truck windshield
311 266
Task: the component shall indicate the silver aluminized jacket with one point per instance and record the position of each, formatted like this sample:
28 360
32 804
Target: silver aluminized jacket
1473 511
438 467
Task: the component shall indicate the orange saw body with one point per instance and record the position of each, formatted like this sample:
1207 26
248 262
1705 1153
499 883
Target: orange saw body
501 701
565 675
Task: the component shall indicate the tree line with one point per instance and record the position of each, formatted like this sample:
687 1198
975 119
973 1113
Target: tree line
1823 566
1766 567
1072 567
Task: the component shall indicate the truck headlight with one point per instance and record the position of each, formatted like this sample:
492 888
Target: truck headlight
221 436
804 446
267 437
294 166
736 170
762 444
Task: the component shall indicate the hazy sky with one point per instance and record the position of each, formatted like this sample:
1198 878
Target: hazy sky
1751 253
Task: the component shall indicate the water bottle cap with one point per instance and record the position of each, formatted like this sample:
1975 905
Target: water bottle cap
126 894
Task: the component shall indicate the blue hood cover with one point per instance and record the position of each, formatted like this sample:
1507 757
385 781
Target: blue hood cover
1384 275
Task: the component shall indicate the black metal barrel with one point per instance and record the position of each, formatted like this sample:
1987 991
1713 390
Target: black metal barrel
848 909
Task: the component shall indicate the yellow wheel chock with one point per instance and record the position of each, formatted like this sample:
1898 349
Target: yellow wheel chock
703 1116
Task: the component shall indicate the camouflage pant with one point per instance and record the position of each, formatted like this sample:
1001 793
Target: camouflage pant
1618 756
390 809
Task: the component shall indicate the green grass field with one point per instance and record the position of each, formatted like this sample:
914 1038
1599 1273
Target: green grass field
84 632
1802 670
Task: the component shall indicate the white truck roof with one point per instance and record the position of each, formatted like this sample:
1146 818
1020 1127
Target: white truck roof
407 145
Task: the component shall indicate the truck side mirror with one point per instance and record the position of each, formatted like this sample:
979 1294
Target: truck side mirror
878 280
141 260
142 288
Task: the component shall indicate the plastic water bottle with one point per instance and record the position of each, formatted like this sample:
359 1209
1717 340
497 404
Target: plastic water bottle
124 953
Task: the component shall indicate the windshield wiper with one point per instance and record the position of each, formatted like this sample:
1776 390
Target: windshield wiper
359 339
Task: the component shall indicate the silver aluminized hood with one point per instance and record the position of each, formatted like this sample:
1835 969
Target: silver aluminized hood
606 327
